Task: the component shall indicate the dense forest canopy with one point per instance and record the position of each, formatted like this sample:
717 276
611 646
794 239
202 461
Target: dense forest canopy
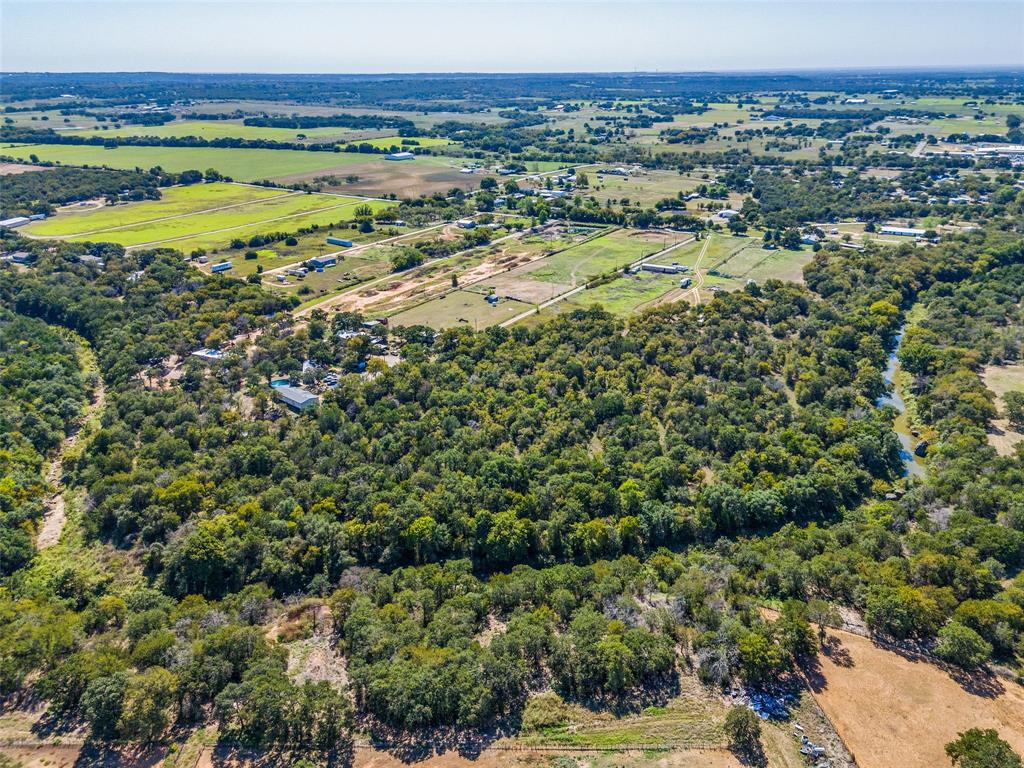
603 489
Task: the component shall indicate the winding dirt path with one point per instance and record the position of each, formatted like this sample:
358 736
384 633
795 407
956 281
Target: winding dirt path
55 515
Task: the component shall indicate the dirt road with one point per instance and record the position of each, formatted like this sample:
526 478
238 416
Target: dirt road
55 515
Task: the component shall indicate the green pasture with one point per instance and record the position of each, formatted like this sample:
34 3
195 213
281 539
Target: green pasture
174 201
231 129
239 164
580 263
219 238
625 294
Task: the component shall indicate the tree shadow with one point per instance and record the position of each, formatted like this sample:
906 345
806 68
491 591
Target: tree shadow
100 755
813 676
836 652
979 682
55 724
423 743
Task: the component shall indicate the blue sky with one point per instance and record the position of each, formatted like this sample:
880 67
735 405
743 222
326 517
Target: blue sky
510 36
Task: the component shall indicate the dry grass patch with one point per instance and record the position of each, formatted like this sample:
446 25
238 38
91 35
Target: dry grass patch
896 711
1002 379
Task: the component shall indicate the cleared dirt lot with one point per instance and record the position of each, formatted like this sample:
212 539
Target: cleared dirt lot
11 169
896 712
1002 379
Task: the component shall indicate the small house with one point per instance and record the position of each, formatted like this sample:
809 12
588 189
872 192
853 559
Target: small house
466 224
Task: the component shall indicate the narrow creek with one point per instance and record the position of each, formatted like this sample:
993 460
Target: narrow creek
911 463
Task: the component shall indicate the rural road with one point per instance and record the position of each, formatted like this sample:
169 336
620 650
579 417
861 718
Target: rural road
332 300
358 248
698 276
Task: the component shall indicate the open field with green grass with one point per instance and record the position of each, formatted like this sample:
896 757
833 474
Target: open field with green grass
193 217
174 202
315 244
646 188
387 142
626 294
460 308
322 217
239 164
234 129
583 262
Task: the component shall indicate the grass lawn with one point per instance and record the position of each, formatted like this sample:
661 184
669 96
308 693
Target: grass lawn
219 238
239 164
194 217
387 142
645 189
281 255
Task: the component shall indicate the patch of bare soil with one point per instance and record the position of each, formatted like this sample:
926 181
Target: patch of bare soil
1004 438
12 169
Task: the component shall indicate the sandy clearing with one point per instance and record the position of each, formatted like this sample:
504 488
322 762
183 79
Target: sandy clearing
12 169
896 712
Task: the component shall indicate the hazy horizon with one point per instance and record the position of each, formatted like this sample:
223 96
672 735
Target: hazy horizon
512 37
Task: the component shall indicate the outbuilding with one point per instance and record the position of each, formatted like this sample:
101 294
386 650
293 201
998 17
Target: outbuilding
223 266
319 262
16 221
400 156
296 398
902 231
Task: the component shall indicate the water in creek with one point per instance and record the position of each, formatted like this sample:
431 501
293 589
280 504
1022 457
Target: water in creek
911 464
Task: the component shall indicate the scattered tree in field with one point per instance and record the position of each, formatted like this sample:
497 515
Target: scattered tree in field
1014 404
979 748
743 729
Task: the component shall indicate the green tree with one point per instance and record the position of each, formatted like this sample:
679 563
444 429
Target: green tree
962 646
977 748
743 729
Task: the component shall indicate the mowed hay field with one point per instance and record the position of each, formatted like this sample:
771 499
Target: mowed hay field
202 216
894 712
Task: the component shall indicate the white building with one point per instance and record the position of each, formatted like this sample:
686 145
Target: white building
901 231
